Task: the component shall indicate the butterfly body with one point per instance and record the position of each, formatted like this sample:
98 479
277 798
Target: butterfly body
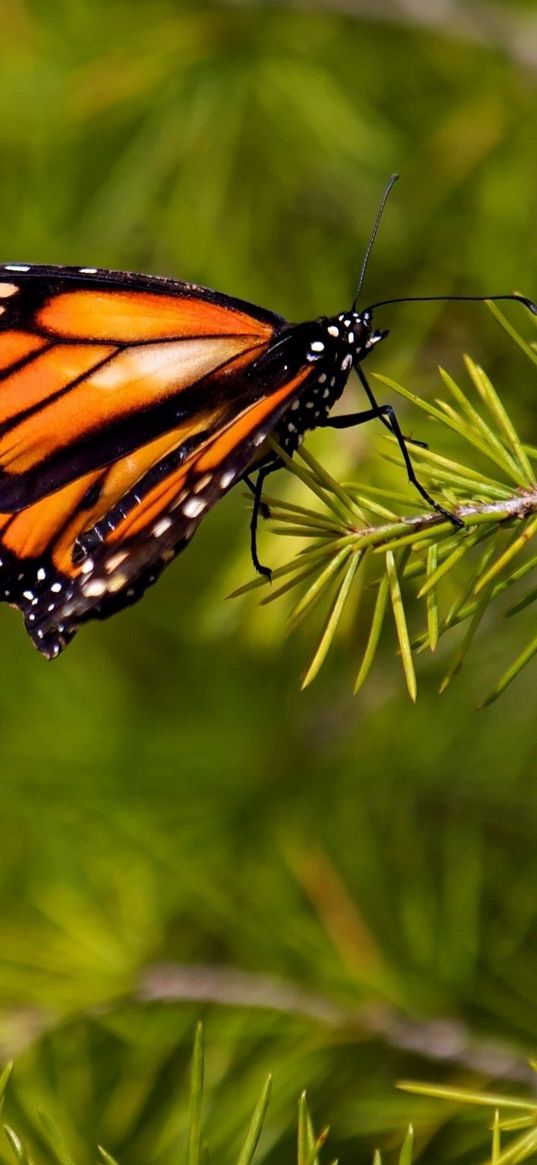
128 406
332 346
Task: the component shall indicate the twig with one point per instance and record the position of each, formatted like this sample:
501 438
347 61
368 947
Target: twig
443 1040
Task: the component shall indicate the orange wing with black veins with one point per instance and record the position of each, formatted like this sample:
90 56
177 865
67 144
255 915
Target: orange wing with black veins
127 409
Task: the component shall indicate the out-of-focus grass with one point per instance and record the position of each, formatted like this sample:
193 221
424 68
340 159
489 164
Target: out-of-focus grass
160 1120
166 794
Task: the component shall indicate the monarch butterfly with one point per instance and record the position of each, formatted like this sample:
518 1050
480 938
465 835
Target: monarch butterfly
129 405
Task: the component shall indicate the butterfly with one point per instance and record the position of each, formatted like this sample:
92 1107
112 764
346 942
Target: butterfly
129 405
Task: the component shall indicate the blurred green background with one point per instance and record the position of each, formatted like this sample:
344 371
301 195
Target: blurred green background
170 801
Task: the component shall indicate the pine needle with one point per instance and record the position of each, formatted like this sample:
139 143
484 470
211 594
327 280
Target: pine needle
511 673
375 632
308 1145
471 631
256 1125
18 1146
401 626
466 1096
504 559
505 425
332 621
407 1148
496 1139
193 1155
512 332
107 1157
433 617
55 1140
317 588
466 542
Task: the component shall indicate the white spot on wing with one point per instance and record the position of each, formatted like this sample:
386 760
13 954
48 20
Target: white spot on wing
7 289
87 270
227 478
116 583
16 267
194 506
160 527
94 588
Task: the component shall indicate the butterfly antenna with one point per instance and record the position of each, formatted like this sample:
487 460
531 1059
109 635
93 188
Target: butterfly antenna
458 299
373 236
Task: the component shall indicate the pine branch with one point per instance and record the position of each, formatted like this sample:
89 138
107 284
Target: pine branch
456 574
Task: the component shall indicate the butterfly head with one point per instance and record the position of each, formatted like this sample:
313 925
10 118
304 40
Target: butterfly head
358 333
345 339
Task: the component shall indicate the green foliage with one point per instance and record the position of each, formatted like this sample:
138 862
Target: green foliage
514 1117
184 833
459 573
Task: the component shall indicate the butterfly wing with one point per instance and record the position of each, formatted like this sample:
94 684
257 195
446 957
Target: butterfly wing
128 407
93 366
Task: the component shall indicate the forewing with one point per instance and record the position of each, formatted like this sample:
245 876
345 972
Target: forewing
114 448
93 365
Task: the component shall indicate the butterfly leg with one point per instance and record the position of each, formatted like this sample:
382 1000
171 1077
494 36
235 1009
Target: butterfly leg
263 508
389 415
260 507
385 420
